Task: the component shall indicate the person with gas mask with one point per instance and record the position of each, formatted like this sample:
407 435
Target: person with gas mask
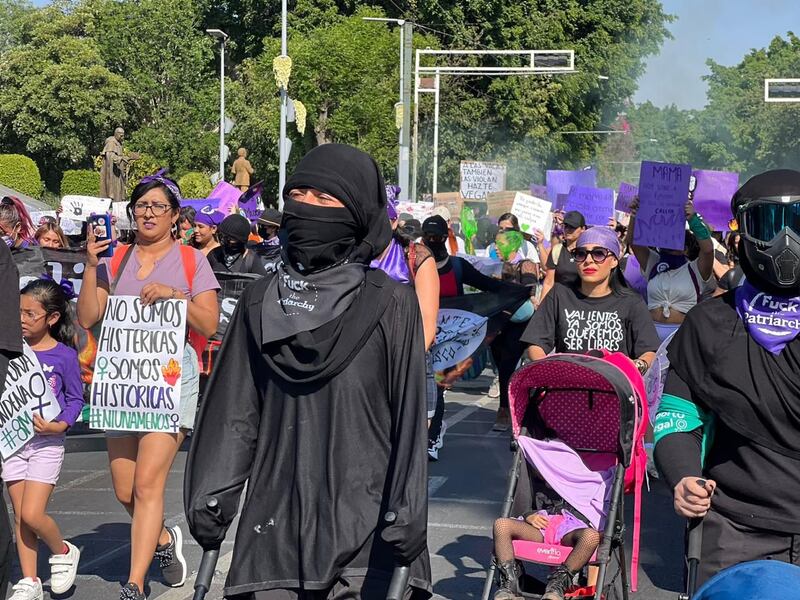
233 256
317 404
728 428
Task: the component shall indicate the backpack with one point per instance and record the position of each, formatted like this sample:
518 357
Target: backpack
120 259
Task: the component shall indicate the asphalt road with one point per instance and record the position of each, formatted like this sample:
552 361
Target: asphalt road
466 488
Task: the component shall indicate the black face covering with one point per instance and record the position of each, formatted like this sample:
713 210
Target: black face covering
317 237
438 249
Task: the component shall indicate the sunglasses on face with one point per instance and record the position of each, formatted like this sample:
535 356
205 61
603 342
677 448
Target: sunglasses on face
599 255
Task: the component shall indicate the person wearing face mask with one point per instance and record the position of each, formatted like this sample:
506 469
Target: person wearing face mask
317 404
269 248
16 226
561 267
233 255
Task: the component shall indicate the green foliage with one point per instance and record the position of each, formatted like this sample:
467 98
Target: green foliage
20 173
195 185
81 182
146 165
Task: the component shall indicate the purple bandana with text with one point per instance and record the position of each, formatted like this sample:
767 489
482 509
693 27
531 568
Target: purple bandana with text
772 321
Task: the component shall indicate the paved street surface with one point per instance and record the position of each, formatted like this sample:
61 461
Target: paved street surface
466 491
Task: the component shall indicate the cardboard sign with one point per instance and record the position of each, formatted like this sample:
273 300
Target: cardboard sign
226 196
595 204
663 193
458 334
481 178
533 213
712 197
561 182
139 365
38 215
70 227
627 192
80 208
27 393
418 210
250 204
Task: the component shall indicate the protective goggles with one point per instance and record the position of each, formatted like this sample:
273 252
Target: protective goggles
764 218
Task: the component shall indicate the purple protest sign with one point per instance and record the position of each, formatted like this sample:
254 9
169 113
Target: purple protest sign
712 197
561 202
561 182
627 192
661 218
249 202
206 205
539 191
227 196
595 204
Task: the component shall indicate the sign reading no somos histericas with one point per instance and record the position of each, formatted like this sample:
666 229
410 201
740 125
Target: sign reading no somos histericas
137 373
481 178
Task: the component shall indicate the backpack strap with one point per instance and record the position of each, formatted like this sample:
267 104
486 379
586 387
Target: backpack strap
695 283
119 259
249 261
189 264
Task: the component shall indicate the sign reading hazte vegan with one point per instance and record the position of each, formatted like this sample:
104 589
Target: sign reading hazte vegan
27 393
137 373
481 178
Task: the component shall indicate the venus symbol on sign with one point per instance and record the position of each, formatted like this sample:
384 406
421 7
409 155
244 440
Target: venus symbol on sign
42 405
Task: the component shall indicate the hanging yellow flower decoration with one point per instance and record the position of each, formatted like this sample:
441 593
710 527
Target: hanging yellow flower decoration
282 68
299 116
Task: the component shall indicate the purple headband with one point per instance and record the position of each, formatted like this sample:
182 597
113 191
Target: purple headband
392 192
605 237
65 285
161 178
212 219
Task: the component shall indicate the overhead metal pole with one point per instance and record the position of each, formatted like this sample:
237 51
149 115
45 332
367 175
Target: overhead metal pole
282 158
222 37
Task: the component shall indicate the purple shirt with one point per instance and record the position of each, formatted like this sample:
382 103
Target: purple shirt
63 373
167 271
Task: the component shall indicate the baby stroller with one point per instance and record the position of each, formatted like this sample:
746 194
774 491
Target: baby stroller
594 407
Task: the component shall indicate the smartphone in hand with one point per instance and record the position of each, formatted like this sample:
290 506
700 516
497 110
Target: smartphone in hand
101 226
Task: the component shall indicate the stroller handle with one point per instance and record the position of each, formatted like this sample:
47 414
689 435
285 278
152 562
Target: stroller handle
399 583
205 574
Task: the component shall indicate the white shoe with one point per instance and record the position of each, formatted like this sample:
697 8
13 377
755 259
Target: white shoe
494 389
27 589
63 569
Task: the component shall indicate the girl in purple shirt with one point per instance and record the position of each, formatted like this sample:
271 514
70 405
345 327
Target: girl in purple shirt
31 473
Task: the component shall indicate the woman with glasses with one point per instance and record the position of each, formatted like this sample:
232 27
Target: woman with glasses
154 268
598 313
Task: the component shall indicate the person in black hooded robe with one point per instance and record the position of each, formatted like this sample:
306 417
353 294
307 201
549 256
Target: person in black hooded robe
728 427
317 402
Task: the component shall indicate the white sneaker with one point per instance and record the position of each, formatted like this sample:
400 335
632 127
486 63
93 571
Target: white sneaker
27 589
494 389
63 569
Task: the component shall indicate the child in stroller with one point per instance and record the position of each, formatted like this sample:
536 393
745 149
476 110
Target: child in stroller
555 523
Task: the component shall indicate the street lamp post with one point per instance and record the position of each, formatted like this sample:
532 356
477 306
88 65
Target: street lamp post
222 37
282 158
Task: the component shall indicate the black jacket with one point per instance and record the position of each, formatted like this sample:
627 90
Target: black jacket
323 461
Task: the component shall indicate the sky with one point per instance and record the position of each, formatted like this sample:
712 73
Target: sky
725 30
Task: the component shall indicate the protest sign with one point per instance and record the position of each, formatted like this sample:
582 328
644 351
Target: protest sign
540 191
418 210
595 204
70 227
663 193
27 393
561 182
120 212
533 213
481 178
250 205
712 197
561 202
627 192
80 208
138 370
226 196
38 215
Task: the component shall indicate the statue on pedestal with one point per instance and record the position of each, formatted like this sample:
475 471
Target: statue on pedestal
114 172
241 170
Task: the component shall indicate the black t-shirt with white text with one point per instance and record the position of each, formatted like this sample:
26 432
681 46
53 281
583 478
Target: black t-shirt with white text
571 322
